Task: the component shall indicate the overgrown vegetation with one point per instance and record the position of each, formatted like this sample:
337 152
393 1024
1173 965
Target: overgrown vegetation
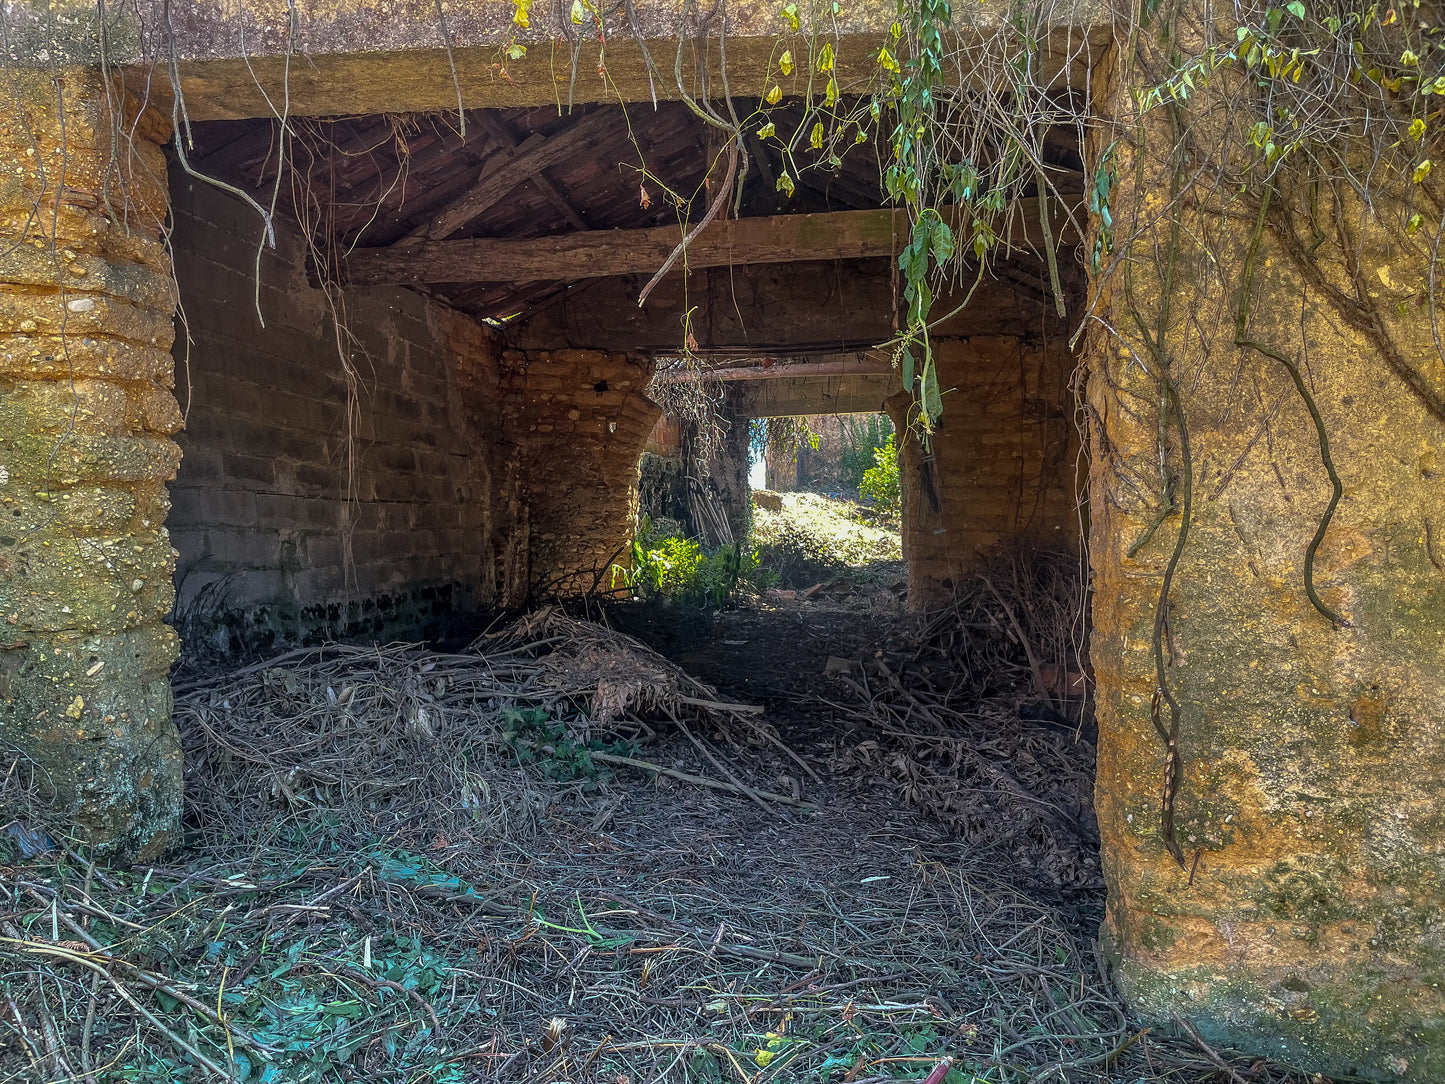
667 565
812 539
807 539
862 436
880 481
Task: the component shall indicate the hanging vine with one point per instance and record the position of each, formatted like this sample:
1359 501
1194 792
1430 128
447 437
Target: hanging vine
1292 114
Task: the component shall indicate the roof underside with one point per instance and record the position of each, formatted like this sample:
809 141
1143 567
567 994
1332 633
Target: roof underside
379 180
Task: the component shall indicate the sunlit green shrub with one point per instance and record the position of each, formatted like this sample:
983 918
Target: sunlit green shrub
880 481
676 568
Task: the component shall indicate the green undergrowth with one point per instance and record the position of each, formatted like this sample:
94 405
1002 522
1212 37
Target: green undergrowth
809 539
879 483
813 539
548 746
667 565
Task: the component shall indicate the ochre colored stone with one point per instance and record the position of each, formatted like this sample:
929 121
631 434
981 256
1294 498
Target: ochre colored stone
85 421
1305 919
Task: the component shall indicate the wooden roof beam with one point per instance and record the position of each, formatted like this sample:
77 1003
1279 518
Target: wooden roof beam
862 365
605 253
523 162
509 143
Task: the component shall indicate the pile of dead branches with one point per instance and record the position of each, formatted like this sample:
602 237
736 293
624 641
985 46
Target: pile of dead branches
1013 788
985 725
1016 629
419 867
367 739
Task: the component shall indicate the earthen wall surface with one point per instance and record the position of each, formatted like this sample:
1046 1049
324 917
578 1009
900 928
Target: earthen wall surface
86 417
312 502
1299 913
574 426
1005 468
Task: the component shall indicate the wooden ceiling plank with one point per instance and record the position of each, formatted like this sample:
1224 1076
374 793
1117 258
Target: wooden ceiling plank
605 253
503 136
521 163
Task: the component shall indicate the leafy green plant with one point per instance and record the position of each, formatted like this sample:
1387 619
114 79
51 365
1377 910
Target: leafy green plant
679 569
544 743
862 437
880 481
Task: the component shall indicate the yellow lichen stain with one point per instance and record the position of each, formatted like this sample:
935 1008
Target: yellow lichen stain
1343 547
76 707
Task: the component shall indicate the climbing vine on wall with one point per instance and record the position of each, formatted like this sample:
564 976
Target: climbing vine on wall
1315 123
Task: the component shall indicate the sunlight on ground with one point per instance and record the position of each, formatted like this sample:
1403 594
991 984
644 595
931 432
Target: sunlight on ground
846 531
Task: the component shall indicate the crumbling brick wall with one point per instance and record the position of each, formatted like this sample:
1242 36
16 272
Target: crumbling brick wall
576 423
301 511
1003 470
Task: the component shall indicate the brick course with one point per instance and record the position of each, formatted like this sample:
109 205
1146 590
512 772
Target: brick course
310 526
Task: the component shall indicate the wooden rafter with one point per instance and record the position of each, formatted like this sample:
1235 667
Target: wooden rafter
508 169
605 253
505 139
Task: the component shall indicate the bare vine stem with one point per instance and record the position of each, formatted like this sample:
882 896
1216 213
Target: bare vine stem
719 201
1242 339
1172 408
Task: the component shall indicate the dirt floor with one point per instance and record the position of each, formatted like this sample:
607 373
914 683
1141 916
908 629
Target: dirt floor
556 855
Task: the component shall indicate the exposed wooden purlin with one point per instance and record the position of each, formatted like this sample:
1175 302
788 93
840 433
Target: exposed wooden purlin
835 235
793 309
860 364
525 161
858 394
508 142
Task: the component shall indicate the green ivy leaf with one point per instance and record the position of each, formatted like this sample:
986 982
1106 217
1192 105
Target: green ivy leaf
932 398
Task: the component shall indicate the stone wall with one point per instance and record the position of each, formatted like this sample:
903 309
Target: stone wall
574 425
1005 469
313 501
86 417
1268 782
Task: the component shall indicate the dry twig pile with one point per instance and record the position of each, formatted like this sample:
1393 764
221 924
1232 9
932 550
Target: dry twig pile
411 866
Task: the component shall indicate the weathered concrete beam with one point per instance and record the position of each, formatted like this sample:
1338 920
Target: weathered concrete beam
837 235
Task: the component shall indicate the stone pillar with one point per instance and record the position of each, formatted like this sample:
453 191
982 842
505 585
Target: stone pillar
1280 883
576 422
1003 470
86 414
